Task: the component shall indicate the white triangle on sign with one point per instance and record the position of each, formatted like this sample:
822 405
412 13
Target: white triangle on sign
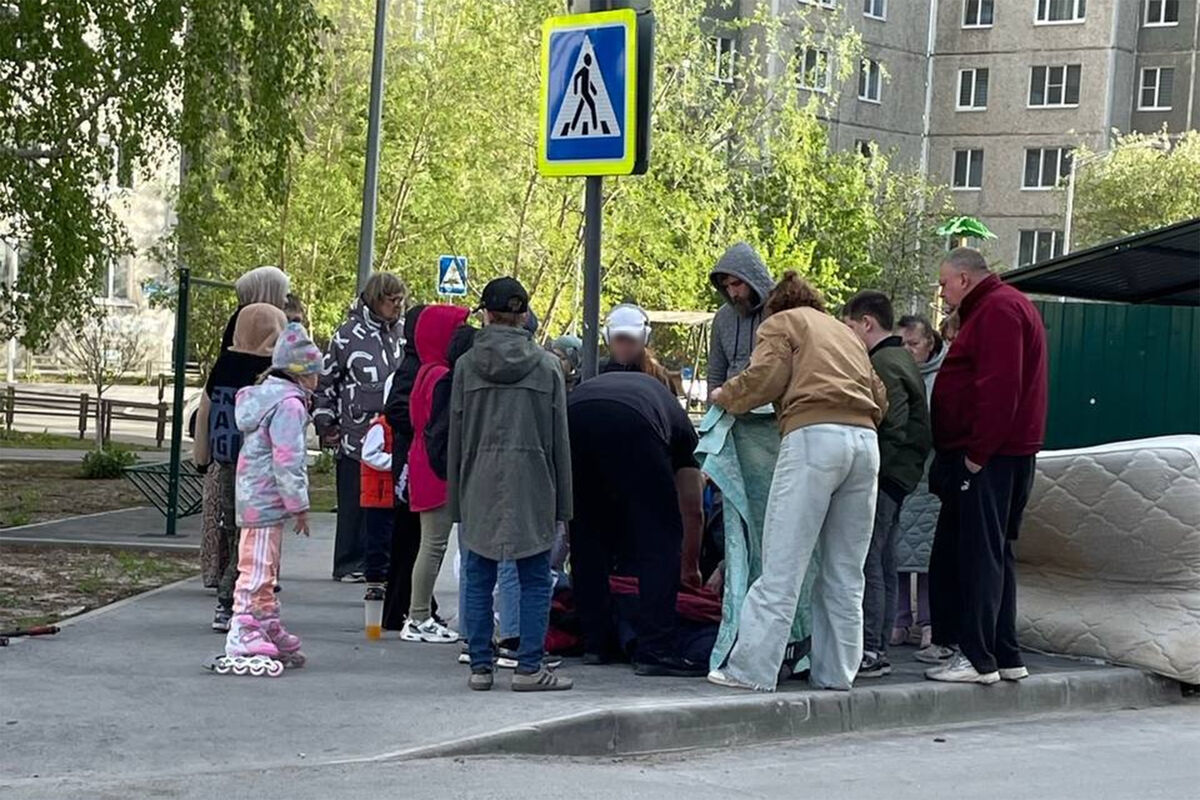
453 278
586 111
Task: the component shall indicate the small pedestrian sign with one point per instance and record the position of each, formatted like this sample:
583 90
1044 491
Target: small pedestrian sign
589 94
452 276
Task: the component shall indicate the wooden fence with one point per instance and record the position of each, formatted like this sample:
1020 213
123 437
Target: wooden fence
16 402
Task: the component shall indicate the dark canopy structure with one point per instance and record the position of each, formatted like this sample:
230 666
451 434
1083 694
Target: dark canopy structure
1159 267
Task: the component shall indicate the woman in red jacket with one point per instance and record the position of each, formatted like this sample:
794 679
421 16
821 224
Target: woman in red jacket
426 491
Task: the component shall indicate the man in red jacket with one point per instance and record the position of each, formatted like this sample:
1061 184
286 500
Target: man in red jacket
989 419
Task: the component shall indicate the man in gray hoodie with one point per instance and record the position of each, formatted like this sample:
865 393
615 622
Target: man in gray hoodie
742 279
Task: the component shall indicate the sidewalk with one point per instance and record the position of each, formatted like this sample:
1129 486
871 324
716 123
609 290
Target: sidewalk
120 692
141 527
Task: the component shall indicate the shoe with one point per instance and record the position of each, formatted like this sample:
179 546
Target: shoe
926 636
351 577
1014 674
541 681
221 619
874 665
673 667
722 678
481 681
935 654
960 670
246 638
899 637
464 655
428 631
506 658
595 659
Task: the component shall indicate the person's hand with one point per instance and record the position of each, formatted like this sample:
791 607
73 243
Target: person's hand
301 526
716 581
971 466
690 578
717 396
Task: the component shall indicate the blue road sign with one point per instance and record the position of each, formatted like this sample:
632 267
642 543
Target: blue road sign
452 276
589 94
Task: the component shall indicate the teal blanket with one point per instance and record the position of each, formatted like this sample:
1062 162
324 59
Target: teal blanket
738 454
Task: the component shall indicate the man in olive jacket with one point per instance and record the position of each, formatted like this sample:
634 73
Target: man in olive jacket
905 437
508 479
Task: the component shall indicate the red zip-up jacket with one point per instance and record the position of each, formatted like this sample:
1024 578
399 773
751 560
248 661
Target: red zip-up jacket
990 395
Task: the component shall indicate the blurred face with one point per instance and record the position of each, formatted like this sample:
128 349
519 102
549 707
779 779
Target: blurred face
309 381
861 327
390 307
956 284
625 349
740 293
917 342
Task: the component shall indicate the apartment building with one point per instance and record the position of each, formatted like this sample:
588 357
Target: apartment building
991 97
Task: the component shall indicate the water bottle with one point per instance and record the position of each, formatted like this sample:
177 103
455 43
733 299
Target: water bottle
373 610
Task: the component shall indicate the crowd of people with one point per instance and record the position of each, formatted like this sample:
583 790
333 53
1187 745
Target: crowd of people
899 463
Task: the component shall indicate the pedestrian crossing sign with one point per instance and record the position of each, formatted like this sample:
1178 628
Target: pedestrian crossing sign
452 276
589 94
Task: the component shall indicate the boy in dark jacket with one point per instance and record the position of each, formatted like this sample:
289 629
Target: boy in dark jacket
904 441
508 479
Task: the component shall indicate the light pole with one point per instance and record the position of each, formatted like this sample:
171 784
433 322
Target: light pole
366 234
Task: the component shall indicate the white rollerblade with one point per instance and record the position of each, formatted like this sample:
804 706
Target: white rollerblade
248 651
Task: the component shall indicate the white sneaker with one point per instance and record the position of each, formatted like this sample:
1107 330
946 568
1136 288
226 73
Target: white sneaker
430 631
722 678
1014 674
960 670
935 654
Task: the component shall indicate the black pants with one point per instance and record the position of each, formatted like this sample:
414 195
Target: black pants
972 580
406 540
377 537
626 522
349 548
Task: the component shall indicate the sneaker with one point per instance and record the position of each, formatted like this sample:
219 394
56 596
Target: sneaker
722 678
351 577
960 670
673 667
221 619
464 655
874 665
935 654
481 681
541 681
1014 674
429 631
899 637
506 658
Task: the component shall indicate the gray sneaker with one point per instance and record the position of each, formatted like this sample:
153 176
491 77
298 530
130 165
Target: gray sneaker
961 670
935 654
481 681
541 681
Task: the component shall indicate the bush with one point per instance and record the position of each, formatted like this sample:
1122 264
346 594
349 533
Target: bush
107 463
323 464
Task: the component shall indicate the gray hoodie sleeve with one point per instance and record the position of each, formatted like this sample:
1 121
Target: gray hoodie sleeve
718 362
564 491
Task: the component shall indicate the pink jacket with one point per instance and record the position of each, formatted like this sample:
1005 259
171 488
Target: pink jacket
426 491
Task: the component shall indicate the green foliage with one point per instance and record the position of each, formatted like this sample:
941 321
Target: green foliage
81 82
107 463
1145 181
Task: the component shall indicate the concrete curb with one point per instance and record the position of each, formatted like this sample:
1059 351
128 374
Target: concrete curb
759 719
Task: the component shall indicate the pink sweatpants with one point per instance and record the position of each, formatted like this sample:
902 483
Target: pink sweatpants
258 564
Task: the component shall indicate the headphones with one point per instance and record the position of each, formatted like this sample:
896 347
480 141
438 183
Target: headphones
641 328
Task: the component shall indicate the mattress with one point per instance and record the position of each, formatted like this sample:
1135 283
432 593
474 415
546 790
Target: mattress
1109 555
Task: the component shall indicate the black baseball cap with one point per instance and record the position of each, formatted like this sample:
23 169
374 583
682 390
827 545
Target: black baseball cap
504 295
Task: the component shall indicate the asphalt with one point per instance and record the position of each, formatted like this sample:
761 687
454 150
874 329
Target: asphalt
138 528
120 695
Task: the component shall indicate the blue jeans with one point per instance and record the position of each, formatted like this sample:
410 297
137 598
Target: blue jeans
479 575
508 596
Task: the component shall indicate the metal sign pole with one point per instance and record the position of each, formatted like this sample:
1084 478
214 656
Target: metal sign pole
366 234
179 367
593 214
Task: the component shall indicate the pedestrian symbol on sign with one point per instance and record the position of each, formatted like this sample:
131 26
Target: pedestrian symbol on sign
586 110
452 276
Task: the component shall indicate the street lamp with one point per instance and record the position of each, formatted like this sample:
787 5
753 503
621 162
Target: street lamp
1075 162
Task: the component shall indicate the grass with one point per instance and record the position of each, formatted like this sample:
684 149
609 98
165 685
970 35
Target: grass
38 491
322 490
44 440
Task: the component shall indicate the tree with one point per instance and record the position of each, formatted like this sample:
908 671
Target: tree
91 89
104 349
1145 181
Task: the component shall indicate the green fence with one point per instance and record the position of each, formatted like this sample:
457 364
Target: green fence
1121 372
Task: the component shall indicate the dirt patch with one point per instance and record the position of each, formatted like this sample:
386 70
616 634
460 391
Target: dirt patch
40 585
38 491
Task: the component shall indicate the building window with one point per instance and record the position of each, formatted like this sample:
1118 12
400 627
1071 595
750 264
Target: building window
822 3
1054 87
724 53
1158 89
115 281
1162 12
1039 245
869 80
1064 11
1044 167
972 89
968 169
978 13
813 63
863 146
875 9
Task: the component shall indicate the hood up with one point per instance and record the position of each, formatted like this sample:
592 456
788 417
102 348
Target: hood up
743 262
435 327
935 361
255 403
505 355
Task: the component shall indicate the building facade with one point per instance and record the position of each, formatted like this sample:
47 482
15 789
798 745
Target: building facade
991 97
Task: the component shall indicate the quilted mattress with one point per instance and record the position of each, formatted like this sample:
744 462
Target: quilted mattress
1109 555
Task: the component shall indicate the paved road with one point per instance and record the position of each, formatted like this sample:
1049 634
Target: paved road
1148 755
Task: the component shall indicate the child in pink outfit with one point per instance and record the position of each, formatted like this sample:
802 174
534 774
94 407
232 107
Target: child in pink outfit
272 487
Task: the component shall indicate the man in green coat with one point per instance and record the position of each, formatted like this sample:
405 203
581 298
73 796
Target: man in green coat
508 479
905 437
